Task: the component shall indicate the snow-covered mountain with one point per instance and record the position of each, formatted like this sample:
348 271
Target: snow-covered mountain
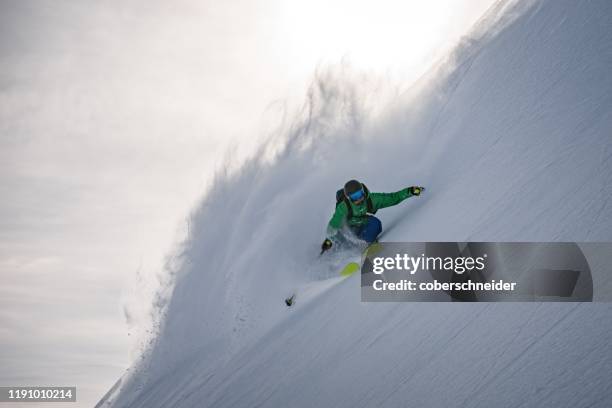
512 136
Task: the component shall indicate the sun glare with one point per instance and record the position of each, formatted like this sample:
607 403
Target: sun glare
387 36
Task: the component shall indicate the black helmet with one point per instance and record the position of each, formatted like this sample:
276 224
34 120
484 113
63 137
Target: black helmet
352 186
354 190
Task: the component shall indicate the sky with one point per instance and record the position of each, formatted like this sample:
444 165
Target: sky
113 118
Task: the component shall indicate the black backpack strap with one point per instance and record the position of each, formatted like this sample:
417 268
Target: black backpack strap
339 196
369 204
349 214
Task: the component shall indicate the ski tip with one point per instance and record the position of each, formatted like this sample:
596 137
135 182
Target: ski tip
349 269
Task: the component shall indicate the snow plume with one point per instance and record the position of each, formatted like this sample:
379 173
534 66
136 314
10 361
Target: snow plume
260 221
511 137
244 238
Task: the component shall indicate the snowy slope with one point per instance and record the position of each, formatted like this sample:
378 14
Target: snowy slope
512 137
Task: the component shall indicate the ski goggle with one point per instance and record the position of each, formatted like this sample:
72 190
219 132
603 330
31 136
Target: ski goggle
357 195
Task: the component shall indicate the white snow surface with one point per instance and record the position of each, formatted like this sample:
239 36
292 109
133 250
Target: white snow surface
511 134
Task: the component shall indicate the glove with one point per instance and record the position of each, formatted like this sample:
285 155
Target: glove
326 245
416 190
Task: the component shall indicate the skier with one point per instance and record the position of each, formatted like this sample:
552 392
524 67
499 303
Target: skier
354 208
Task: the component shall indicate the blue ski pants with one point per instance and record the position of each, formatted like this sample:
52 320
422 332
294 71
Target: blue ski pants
370 231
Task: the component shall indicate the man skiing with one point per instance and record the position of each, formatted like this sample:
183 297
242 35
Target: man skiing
354 208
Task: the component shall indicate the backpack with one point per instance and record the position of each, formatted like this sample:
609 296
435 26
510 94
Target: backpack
340 197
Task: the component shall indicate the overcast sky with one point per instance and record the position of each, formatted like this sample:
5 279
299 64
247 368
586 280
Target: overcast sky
113 116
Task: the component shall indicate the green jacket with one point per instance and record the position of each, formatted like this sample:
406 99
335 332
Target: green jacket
359 218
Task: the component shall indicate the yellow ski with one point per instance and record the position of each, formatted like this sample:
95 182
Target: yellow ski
350 269
353 267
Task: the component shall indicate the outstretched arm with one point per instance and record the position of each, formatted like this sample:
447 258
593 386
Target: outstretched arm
383 200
